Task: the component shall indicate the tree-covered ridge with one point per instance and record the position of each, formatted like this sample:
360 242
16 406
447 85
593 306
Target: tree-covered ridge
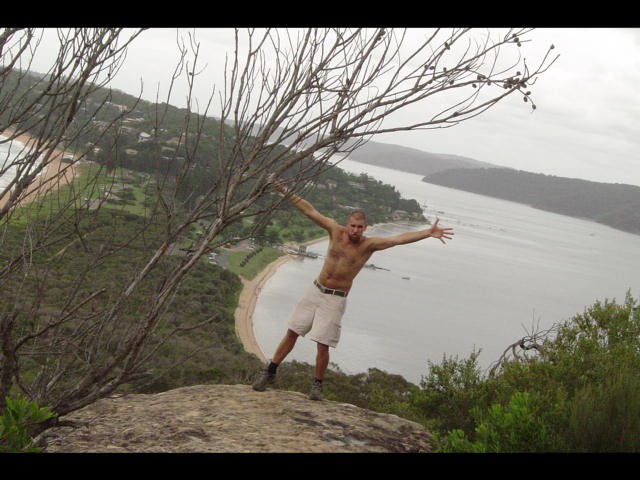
412 160
615 205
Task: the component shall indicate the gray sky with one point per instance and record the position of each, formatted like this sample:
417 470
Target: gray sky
587 124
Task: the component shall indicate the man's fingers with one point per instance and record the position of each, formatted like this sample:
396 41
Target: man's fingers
441 233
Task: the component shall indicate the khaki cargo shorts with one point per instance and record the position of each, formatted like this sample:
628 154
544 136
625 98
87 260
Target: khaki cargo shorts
318 314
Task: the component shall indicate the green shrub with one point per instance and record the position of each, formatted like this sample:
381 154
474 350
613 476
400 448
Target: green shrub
584 382
20 414
456 442
449 392
605 417
514 428
511 428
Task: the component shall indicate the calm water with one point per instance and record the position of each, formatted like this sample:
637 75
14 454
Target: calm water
510 268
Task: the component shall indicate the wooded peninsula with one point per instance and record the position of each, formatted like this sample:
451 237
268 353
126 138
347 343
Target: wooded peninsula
615 205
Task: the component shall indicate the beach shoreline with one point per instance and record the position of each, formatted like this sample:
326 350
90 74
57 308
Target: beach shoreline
54 174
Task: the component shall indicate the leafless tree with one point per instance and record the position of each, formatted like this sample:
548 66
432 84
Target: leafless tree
39 108
291 104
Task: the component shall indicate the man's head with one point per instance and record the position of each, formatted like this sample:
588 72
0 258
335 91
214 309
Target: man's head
356 225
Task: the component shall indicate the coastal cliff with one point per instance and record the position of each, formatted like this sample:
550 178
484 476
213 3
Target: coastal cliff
231 419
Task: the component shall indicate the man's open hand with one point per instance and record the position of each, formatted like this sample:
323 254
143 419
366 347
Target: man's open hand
441 233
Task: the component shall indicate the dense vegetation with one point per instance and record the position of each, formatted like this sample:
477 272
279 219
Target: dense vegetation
615 205
58 275
581 392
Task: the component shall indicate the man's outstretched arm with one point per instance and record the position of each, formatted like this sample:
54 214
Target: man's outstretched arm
305 207
435 231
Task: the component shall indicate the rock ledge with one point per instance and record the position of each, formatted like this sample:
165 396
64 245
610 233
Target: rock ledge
232 418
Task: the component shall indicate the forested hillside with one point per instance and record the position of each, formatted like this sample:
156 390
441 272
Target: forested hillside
615 205
410 159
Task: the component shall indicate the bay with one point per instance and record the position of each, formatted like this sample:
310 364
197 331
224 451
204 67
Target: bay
511 269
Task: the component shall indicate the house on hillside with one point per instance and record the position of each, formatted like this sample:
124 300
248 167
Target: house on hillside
101 124
356 185
122 108
399 214
128 130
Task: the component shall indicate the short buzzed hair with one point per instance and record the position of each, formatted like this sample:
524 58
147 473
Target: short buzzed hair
359 215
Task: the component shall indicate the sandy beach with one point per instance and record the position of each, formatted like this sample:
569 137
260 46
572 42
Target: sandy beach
247 303
56 173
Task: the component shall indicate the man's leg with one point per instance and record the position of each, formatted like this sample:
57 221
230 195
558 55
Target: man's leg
322 361
268 375
284 348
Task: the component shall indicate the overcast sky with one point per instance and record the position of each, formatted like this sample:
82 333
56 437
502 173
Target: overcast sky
587 124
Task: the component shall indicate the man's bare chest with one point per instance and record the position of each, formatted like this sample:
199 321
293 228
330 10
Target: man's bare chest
348 255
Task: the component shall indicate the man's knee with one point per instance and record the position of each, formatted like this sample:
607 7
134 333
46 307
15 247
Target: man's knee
291 334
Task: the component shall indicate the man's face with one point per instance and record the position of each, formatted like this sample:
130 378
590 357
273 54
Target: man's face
355 229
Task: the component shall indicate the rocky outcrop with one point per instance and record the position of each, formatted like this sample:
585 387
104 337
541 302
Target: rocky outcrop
231 418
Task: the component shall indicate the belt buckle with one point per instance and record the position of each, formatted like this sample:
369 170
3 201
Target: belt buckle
328 291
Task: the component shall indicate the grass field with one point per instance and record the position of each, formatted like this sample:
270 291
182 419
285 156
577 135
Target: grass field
255 264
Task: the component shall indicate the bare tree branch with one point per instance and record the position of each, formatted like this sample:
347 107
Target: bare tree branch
534 340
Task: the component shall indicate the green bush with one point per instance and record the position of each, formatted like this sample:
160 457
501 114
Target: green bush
605 417
511 428
449 392
20 414
583 391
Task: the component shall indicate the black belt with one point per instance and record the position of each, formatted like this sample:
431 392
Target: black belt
329 291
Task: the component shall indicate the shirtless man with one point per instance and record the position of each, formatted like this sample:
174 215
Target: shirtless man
320 311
